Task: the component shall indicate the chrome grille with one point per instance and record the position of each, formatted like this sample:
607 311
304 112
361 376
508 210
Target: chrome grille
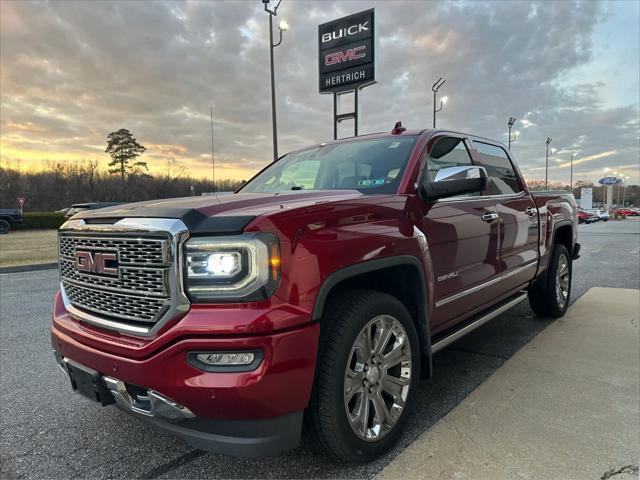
146 281
147 290
139 309
136 251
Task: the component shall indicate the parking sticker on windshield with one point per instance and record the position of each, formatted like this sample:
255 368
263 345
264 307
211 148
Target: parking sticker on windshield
371 182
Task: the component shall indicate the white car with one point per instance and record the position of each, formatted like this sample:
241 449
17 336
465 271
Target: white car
602 215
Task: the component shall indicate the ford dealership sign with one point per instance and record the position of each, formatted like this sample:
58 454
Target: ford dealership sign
609 181
346 52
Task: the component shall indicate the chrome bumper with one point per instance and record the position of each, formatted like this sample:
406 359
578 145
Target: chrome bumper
153 404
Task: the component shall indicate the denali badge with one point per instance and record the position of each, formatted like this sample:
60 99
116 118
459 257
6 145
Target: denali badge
448 276
96 262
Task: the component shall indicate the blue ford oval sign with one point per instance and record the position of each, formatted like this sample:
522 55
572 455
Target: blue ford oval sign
609 181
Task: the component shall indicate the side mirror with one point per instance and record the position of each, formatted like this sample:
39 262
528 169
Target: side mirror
453 181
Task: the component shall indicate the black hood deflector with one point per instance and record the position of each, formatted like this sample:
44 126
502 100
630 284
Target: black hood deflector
196 221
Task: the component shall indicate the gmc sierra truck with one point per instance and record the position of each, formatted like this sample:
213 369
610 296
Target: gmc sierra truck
315 295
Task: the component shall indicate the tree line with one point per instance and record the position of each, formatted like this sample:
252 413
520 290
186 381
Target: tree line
62 184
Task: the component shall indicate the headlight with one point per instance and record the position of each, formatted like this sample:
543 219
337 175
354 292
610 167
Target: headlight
234 268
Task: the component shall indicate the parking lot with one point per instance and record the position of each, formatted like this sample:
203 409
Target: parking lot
47 431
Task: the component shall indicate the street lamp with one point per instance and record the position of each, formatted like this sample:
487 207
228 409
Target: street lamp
510 123
436 86
571 172
283 26
546 165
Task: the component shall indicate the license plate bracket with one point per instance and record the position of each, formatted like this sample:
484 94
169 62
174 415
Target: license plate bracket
88 382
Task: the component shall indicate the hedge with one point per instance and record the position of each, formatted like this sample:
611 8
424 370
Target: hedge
40 220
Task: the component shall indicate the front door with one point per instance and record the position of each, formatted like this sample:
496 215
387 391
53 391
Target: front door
462 237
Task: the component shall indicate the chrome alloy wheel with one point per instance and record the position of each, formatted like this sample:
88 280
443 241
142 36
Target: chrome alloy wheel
562 280
377 378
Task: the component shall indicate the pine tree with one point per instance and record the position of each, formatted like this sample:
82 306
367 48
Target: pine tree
124 149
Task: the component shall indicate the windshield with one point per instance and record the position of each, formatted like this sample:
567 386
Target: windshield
371 166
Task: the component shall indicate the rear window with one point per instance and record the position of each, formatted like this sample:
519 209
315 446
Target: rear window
502 177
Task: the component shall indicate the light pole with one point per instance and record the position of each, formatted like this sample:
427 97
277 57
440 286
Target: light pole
436 86
546 165
571 172
615 174
282 27
510 123
605 199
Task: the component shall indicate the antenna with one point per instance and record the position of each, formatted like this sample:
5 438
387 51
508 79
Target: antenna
213 160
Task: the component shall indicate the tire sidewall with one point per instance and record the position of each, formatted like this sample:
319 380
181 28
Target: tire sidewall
362 450
558 250
5 227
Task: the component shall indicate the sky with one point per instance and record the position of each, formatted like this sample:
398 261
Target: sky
71 72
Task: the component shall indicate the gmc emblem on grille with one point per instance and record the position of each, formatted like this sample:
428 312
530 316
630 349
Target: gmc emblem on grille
102 263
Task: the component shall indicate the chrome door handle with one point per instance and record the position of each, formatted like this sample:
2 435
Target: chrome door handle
530 211
490 217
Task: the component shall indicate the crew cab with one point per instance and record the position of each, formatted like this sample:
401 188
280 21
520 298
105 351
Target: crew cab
318 293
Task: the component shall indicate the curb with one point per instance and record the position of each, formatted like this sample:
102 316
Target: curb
29 268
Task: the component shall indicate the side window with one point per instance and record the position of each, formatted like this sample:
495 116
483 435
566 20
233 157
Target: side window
502 177
447 152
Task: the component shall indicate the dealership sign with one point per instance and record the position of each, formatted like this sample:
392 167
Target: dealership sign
609 181
346 50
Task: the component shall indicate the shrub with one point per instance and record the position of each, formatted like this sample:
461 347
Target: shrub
34 220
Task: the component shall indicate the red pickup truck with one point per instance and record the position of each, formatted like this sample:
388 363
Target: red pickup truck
317 294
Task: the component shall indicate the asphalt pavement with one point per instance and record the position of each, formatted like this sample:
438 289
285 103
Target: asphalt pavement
46 431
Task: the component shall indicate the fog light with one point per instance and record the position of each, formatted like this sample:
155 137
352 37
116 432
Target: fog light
243 361
235 358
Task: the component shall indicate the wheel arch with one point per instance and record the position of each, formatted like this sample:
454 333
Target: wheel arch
400 276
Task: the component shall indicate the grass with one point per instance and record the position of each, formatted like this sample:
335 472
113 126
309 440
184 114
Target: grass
24 247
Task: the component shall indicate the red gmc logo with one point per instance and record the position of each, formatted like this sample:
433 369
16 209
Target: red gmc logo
346 56
96 262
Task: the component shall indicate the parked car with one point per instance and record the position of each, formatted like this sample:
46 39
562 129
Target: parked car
320 291
586 217
603 215
81 207
8 218
627 212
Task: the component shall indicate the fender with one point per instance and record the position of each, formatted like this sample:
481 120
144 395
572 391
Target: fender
541 275
424 326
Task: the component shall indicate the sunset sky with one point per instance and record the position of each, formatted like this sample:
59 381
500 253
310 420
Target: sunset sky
71 72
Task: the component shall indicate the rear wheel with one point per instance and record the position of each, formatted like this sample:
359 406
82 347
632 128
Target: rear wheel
551 298
4 227
368 368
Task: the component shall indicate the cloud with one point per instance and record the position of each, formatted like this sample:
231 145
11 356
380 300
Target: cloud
71 72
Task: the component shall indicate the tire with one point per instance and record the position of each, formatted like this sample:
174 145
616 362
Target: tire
335 413
550 298
4 227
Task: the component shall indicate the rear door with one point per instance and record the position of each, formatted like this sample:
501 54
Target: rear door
518 222
462 237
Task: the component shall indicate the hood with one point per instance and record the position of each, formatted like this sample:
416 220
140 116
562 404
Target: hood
217 214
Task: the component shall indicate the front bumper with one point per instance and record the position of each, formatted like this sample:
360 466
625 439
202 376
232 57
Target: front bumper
245 438
256 412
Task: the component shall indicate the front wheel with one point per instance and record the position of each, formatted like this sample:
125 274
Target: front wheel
551 298
4 227
368 369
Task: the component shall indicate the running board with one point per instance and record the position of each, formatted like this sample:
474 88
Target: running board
458 334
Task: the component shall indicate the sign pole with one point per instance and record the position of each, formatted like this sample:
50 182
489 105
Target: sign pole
355 112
